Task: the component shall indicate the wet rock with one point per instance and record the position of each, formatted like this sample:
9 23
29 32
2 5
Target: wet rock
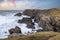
35 13
12 30
30 25
45 18
40 16
28 21
15 30
18 14
39 30
25 20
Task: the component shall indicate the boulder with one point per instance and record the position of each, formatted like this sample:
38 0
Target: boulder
28 21
12 30
18 14
15 30
30 25
25 20
48 19
39 30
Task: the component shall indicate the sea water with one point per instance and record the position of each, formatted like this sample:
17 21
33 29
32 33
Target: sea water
8 21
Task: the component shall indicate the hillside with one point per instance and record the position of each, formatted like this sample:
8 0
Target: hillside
38 36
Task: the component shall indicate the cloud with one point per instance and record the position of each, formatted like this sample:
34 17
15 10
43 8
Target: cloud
30 4
22 4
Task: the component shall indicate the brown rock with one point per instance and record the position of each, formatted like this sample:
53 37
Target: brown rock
30 25
25 20
44 22
45 18
12 30
15 30
30 12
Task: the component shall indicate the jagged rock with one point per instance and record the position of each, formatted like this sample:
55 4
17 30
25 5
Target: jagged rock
31 12
18 14
44 22
45 18
39 30
30 25
49 19
12 30
28 21
15 30
57 24
25 20
34 13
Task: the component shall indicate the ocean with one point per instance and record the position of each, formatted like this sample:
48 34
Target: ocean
8 21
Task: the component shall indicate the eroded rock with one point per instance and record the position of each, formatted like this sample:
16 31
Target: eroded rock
30 25
45 18
18 14
25 20
15 30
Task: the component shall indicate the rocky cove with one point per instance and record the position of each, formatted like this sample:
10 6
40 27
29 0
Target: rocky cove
31 21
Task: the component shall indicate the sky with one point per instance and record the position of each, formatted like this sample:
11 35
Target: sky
28 4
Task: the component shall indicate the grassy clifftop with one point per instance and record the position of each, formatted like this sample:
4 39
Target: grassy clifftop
38 36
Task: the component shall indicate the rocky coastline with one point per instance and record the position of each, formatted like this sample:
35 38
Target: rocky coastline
49 20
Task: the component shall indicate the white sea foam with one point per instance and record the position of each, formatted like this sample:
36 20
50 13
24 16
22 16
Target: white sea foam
10 21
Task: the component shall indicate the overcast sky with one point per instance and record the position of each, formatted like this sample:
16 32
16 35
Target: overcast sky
29 4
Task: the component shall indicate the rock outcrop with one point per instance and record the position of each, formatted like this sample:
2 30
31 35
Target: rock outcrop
25 20
28 21
18 14
47 19
15 30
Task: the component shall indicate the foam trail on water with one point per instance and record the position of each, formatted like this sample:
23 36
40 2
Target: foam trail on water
10 21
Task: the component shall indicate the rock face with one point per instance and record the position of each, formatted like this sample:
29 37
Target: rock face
30 25
28 21
25 20
15 30
35 12
44 22
30 12
12 30
47 19
18 14
57 24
